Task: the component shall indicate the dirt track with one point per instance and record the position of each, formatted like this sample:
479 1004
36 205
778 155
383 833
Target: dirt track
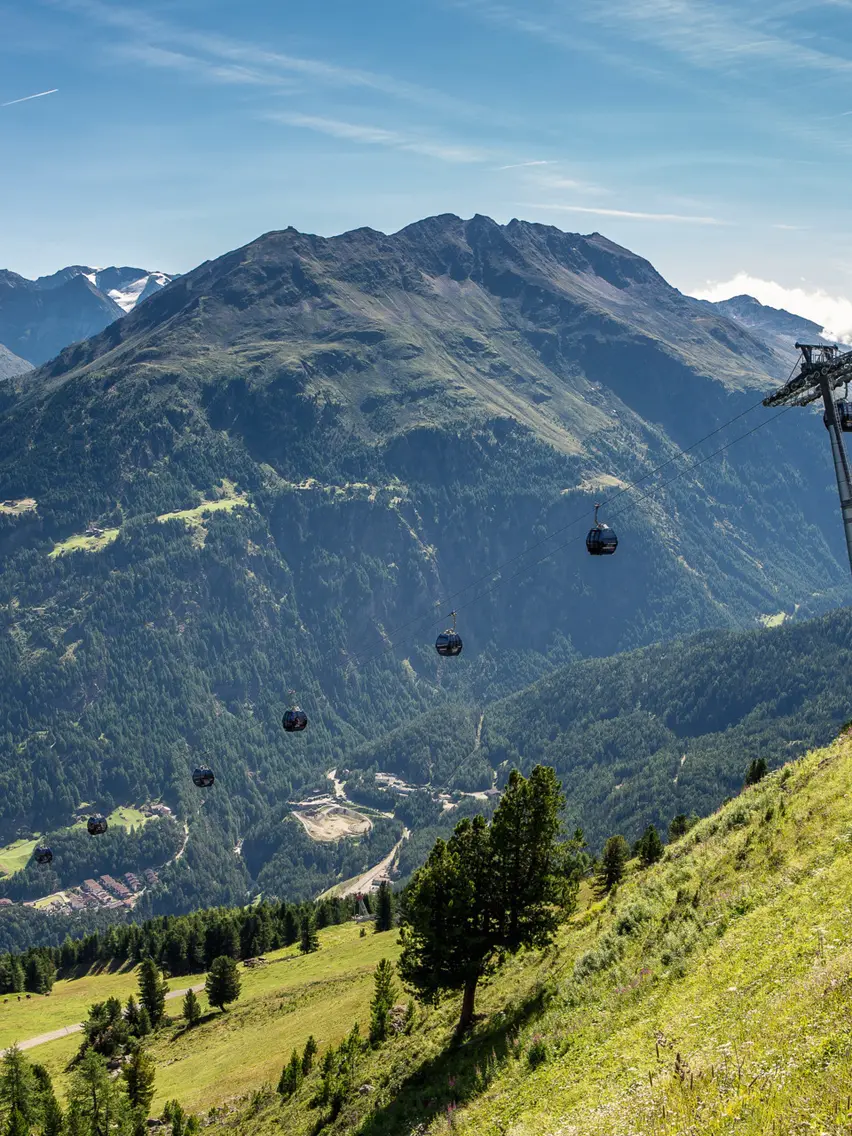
64 1031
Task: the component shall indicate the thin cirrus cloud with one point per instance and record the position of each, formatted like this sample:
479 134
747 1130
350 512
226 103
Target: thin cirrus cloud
625 214
526 165
159 43
378 136
26 98
832 313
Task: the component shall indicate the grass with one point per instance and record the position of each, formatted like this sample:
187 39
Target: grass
227 498
230 1053
16 855
709 995
83 543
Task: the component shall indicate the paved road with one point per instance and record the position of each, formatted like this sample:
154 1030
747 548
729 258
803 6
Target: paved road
31 1042
364 883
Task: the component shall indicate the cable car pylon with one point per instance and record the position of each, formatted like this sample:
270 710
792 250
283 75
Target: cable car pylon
823 368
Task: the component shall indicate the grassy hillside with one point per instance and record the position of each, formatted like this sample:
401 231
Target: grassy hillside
227 1054
709 995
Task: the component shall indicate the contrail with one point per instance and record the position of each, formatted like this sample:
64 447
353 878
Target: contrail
27 98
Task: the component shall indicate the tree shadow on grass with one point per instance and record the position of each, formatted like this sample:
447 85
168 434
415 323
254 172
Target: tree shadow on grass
455 1076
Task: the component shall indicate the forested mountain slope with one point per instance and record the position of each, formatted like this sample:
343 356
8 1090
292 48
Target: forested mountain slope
642 736
254 478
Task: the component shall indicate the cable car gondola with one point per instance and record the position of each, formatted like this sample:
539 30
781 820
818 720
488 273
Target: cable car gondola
96 825
203 777
843 409
449 642
601 540
42 854
295 719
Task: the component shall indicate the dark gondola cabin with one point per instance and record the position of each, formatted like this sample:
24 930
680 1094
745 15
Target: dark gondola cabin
449 642
601 540
43 854
96 825
295 719
203 777
844 415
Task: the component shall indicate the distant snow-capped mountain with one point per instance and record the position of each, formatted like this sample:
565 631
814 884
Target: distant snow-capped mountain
39 317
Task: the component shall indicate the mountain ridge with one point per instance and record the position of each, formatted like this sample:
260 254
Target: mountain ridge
39 317
253 480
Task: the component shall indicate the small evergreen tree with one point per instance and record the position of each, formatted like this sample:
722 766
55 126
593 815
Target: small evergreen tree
291 1075
191 1008
756 771
679 826
308 937
18 1088
152 991
291 926
47 1106
223 982
96 1105
650 846
385 991
410 1016
384 907
308 1055
138 1075
613 859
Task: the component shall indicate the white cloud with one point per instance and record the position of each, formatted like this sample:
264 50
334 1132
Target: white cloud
379 136
628 214
832 313
525 165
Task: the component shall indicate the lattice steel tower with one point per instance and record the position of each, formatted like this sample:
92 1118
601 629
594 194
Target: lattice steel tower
822 369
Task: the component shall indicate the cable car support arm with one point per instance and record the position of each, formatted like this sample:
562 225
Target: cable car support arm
822 369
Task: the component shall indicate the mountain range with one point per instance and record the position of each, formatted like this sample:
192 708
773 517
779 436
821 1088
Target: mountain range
284 468
40 317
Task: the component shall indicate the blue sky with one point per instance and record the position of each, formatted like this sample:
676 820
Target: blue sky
713 138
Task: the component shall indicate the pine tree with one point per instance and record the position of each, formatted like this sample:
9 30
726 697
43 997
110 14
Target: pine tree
47 1106
385 991
223 982
138 1075
308 937
410 1016
650 846
191 1008
679 826
97 1106
291 926
291 1075
613 860
16 1124
486 892
308 1055
384 907
756 771
18 1087
152 991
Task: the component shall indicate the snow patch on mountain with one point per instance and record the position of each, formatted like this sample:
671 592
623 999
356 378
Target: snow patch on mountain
129 296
